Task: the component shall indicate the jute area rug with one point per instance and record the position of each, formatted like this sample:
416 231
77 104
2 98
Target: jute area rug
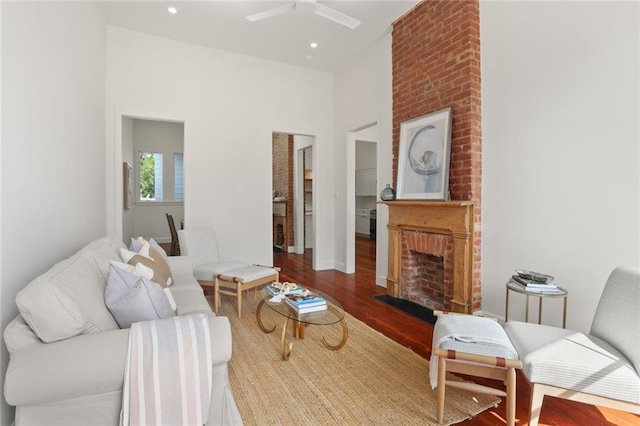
372 380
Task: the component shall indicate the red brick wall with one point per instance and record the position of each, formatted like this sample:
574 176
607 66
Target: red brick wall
282 167
280 163
432 276
436 64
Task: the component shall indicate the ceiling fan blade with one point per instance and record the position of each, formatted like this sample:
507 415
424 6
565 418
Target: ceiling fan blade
336 16
271 12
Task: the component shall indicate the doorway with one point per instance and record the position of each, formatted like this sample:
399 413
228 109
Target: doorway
362 188
293 193
153 163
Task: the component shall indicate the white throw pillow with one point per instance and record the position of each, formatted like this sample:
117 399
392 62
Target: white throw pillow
130 298
137 243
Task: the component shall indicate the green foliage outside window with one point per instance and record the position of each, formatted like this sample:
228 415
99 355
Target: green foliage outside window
147 176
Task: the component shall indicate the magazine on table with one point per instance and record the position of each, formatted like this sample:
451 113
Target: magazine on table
308 309
547 289
533 284
305 298
305 302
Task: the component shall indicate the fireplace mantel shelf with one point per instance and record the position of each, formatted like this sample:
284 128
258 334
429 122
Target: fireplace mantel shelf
427 203
453 218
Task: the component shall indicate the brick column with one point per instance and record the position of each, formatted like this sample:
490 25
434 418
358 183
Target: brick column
436 64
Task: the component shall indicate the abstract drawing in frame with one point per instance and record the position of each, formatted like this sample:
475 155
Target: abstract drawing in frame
424 156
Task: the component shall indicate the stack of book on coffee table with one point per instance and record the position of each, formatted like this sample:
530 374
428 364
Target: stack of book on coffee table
283 288
535 282
305 302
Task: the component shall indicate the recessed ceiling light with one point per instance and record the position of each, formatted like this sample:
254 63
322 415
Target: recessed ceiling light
313 45
172 10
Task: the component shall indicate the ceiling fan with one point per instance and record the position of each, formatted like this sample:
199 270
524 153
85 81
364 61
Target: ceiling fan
308 7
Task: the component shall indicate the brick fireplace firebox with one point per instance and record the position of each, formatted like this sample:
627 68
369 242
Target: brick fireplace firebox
431 253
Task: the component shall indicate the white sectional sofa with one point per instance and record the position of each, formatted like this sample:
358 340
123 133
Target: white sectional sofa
67 353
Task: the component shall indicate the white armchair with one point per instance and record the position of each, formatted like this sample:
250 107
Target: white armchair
601 367
201 246
231 278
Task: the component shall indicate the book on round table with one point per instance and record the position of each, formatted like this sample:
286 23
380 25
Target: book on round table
548 289
304 298
305 309
532 284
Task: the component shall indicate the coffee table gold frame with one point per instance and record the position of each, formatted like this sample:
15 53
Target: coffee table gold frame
331 316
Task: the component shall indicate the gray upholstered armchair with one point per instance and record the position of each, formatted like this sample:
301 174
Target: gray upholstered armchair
601 367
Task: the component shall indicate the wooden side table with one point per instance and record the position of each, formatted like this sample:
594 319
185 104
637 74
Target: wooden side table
518 289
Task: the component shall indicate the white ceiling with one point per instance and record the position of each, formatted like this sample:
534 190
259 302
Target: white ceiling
284 38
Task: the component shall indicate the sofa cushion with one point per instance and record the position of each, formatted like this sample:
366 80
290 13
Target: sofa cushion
68 299
191 302
131 298
572 360
186 283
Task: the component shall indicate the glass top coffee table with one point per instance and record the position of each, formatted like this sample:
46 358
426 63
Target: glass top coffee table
333 314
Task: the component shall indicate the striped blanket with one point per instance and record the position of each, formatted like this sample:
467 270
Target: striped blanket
168 372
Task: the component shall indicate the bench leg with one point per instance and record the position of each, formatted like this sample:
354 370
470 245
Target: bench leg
216 295
442 369
511 396
239 290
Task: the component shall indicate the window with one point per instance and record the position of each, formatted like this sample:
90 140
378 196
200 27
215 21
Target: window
150 176
178 185
160 183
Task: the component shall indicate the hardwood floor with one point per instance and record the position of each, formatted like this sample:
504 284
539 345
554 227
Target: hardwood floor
356 294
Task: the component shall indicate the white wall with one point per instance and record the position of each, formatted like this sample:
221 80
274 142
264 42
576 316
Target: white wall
560 148
53 190
231 104
363 96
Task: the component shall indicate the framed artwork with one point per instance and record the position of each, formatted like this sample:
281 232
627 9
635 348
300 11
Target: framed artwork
424 156
127 180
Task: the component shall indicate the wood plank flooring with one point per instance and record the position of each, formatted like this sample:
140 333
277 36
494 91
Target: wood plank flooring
356 294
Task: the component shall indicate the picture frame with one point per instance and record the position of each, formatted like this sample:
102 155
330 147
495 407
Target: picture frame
424 156
127 181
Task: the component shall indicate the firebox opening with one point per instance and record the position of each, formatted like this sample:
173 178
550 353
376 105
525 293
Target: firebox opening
424 283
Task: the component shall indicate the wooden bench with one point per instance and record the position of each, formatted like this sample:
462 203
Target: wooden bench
234 282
